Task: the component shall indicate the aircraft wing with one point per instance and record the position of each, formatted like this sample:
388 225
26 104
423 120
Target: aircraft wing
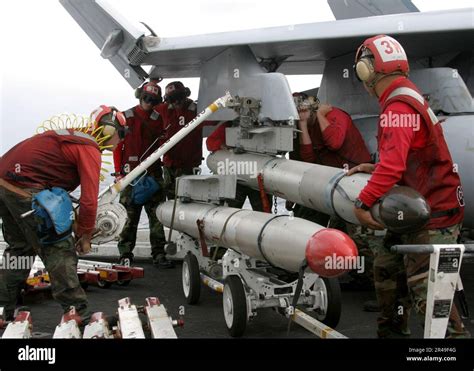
295 49
111 33
346 9
304 48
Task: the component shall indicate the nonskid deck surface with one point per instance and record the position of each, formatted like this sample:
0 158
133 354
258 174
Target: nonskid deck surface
206 320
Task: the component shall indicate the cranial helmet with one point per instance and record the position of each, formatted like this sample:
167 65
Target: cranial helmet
380 55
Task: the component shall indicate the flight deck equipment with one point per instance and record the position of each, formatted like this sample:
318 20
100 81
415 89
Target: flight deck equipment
251 272
158 323
20 328
443 278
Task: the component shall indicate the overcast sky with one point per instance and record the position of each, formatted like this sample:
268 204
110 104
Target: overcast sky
49 65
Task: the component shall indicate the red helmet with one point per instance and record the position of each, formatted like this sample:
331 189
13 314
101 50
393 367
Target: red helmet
150 92
176 91
380 54
152 89
112 120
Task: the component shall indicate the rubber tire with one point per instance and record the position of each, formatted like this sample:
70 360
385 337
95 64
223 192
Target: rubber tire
104 284
239 305
191 262
123 283
333 313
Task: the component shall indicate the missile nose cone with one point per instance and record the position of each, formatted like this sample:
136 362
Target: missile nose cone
330 253
404 210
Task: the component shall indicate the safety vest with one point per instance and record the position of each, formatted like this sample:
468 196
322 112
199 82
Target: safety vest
38 162
430 170
188 152
140 142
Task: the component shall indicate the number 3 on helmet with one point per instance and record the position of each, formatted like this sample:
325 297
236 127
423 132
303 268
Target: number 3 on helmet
380 54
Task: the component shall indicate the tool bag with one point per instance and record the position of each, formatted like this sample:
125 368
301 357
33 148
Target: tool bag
54 211
144 189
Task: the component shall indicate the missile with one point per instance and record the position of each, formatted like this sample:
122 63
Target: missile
283 241
322 188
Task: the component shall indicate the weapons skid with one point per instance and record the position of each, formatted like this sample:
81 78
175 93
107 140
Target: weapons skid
110 273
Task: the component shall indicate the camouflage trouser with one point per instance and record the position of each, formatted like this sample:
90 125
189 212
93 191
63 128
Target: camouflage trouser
128 236
368 243
391 288
401 282
169 176
60 259
242 192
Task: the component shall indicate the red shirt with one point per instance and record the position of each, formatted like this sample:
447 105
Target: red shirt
188 152
143 138
88 162
65 161
340 143
407 157
217 139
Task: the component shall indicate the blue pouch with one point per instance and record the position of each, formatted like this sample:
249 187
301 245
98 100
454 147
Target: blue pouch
144 190
54 210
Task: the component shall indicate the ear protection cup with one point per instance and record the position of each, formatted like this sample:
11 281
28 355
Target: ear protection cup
138 91
108 130
364 69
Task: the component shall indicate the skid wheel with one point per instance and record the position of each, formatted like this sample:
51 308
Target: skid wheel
235 306
191 279
104 284
331 311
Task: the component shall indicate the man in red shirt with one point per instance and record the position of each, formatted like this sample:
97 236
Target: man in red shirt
144 137
57 158
176 112
328 137
412 152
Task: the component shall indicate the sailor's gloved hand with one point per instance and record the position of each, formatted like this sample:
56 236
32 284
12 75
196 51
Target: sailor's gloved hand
361 168
83 244
118 177
365 219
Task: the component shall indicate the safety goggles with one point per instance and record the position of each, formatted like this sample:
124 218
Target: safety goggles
149 99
